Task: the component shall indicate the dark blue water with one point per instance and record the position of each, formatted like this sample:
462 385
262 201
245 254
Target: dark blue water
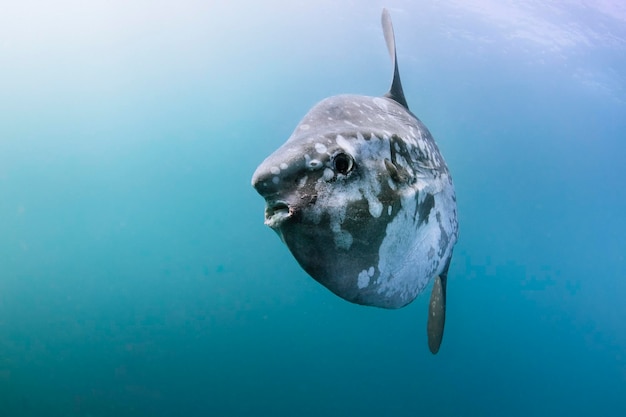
137 277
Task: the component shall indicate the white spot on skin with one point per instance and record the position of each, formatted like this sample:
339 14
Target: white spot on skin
302 181
328 174
389 211
363 280
275 180
284 166
311 163
374 205
314 163
381 103
347 146
320 148
275 170
305 126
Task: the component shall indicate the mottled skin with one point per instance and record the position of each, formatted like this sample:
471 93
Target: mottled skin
363 199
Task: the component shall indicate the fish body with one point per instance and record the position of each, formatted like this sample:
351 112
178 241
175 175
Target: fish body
363 199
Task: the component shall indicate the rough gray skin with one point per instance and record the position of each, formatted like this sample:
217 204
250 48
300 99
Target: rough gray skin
362 197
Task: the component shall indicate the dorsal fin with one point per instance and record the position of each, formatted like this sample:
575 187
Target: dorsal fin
395 92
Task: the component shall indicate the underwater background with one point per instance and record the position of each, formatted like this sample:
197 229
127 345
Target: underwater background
137 277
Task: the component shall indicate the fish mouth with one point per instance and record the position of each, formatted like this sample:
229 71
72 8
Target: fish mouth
276 213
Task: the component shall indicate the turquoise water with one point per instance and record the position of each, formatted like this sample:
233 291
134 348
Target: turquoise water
137 277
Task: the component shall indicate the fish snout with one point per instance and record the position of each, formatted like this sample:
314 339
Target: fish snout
265 182
278 174
274 182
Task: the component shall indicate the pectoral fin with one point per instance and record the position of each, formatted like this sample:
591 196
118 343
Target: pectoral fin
437 313
398 174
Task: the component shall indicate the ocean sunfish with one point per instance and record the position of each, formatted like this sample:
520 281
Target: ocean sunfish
363 199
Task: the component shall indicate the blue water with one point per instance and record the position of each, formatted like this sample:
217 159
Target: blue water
137 277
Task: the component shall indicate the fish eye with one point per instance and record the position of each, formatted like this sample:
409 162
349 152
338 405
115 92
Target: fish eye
343 163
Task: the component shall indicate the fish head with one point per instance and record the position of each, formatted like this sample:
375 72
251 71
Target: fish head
329 194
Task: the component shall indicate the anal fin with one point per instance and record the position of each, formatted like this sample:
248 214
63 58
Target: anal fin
437 313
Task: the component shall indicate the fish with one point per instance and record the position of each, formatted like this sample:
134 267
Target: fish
364 200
